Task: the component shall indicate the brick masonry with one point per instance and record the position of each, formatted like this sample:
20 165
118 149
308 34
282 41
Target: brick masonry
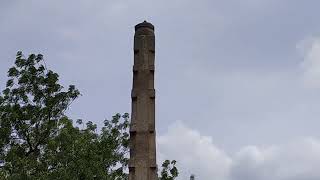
142 164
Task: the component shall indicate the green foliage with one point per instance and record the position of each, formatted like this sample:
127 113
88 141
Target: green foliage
38 141
169 170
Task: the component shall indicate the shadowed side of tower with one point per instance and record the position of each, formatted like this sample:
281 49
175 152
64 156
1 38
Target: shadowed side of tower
142 164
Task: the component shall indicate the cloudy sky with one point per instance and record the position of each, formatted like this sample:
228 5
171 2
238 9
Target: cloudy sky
238 82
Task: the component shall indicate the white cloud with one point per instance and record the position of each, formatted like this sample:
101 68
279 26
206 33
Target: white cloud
296 160
198 154
195 153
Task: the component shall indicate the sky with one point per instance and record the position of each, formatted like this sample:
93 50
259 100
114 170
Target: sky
237 82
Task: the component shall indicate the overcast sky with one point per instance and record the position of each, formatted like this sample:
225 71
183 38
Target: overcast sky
238 82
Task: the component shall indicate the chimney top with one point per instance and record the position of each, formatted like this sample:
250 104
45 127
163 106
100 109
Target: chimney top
144 24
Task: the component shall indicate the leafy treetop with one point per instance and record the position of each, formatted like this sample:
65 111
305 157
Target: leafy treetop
38 140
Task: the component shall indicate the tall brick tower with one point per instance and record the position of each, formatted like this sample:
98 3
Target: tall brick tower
142 164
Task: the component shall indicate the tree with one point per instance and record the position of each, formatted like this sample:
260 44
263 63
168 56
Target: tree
38 140
169 170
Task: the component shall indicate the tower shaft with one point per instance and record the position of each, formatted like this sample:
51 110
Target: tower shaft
142 164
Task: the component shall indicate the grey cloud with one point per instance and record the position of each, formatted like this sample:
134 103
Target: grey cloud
311 63
228 68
